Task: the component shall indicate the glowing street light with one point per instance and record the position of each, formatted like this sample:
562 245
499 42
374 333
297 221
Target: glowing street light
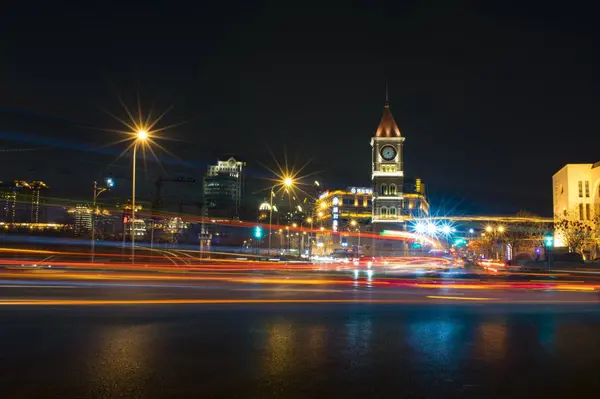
420 228
141 136
446 230
353 223
431 228
500 229
287 182
109 183
489 228
140 130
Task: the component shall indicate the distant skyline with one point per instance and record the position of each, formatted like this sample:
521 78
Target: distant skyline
493 99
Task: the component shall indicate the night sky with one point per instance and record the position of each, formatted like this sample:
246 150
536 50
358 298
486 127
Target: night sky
492 99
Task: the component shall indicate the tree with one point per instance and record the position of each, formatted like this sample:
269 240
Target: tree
525 234
577 234
596 236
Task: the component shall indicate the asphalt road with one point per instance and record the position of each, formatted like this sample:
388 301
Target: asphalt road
289 335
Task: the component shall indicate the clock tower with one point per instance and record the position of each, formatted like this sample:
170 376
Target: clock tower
387 174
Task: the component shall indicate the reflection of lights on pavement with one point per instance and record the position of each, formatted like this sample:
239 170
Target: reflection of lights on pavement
355 274
369 274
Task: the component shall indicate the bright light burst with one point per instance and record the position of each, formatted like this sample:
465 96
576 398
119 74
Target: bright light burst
141 130
432 228
288 179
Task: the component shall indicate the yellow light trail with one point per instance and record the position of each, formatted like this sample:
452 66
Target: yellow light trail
460 298
95 302
504 219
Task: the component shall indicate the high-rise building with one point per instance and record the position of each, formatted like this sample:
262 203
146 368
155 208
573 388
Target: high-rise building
82 219
11 197
223 189
37 212
22 201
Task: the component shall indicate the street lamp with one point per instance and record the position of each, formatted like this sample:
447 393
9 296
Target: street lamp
286 182
140 137
109 183
354 223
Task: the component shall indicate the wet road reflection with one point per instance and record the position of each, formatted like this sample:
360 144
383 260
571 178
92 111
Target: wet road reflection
299 351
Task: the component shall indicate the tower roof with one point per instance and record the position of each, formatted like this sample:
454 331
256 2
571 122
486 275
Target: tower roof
387 126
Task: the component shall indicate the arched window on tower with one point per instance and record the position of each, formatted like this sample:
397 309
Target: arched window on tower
392 189
383 212
392 212
384 190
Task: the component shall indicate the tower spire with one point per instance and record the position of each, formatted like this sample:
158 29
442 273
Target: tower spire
387 101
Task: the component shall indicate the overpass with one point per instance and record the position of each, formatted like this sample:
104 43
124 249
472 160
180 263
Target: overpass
494 219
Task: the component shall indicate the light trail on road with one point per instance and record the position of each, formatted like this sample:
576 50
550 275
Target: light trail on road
83 302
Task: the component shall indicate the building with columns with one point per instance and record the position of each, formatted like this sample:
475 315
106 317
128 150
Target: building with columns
576 193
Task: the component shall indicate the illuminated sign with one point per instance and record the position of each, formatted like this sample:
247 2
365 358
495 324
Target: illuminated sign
335 213
361 190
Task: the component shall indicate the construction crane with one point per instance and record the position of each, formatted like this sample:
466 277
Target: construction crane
158 184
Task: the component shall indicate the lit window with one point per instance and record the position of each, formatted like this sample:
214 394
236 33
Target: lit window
587 211
587 189
580 211
580 189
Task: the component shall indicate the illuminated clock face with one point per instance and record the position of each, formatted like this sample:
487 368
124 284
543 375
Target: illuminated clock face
388 153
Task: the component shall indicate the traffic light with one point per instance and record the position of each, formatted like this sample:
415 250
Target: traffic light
258 233
460 242
549 241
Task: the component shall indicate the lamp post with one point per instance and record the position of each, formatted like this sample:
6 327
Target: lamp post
354 223
286 182
97 191
309 220
495 234
141 136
